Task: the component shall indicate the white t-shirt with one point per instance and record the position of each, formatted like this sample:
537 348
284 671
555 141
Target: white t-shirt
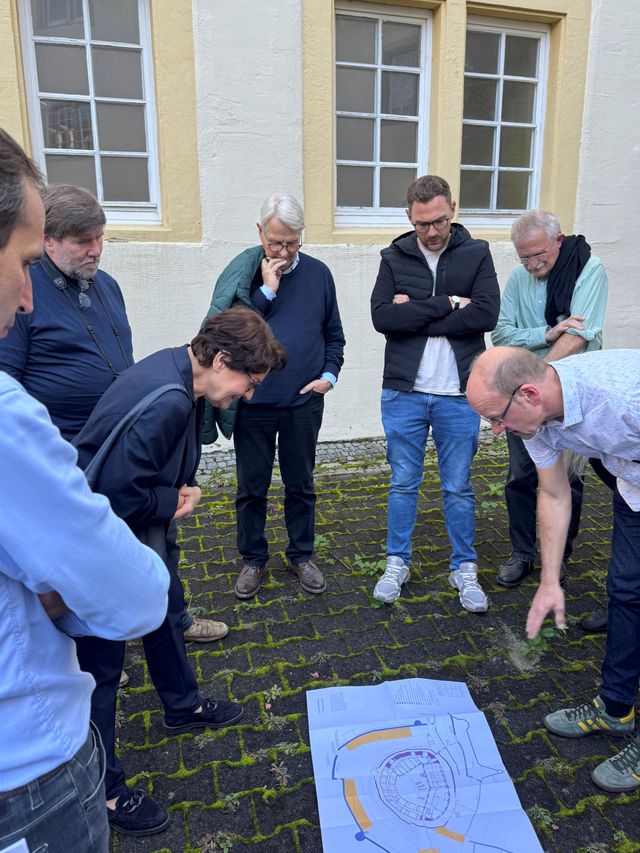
438 371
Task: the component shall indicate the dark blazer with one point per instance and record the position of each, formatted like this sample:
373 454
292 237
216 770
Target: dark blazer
141 476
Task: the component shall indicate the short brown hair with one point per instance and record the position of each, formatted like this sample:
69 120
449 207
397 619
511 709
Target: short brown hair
426 188
70 211
246 341
15 167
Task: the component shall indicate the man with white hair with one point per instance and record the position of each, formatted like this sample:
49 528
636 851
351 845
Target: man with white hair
296 295
553 305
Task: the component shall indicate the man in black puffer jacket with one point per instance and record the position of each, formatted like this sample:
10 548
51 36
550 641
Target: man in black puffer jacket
435 297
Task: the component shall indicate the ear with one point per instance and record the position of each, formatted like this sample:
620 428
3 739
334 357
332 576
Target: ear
453 209
530 393
48 243
218 362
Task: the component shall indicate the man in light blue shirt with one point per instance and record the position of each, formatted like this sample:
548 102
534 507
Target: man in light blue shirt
65 556
589 404
554 305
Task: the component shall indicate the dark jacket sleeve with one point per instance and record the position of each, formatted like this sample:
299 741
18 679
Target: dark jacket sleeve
129 474
408 317
481 315
14 349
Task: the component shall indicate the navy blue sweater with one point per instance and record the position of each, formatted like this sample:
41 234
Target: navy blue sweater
55 358
304 317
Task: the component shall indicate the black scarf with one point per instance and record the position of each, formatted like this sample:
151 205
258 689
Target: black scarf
574 254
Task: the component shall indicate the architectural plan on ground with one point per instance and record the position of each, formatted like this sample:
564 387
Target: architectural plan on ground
411 766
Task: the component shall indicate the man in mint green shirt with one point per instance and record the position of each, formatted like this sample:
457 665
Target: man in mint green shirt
553 305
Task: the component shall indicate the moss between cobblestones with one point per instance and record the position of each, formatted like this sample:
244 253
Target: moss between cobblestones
296 642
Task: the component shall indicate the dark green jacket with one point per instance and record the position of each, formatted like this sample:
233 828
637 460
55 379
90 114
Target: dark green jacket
232 288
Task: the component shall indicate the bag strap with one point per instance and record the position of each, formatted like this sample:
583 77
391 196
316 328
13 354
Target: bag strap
93 469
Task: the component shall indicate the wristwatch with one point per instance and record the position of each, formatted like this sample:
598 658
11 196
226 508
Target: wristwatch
455 302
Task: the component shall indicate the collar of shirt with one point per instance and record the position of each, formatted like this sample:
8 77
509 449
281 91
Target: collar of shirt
293 265
572 408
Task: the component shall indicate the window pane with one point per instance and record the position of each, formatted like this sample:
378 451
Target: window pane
482 52
355 186
117 72
125 178
121 127
57 18
66 124
517 101
475 189
62 69
116 20
515 146
480 99
399 93
393 186
355 138
521 57
400 44
79 171
398 141
355 90
513 190
355 40
477 145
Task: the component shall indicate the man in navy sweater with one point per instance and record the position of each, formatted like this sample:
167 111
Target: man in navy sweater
296 295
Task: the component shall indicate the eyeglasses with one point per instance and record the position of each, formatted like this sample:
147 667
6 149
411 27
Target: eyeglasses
500 419
538 257
291 246
253 383
439 224
83 298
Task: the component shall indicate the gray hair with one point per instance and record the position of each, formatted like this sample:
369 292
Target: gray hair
535 220
519 367
70 211
286 208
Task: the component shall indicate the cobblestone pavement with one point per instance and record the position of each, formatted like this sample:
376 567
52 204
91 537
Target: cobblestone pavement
250 788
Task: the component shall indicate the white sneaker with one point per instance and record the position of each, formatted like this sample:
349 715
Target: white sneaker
389 586
465 579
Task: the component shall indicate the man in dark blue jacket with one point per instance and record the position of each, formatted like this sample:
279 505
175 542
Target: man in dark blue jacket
148 476
435 296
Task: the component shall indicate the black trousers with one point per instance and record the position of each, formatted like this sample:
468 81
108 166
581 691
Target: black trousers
255 433
166 657
521 498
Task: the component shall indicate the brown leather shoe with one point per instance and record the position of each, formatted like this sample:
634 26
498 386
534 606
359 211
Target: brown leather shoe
205 631
249 580
310 577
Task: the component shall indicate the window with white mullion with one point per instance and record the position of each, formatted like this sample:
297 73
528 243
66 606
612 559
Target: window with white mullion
380 99
94 124
502 117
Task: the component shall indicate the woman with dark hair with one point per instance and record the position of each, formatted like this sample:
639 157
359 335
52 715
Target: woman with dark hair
148 473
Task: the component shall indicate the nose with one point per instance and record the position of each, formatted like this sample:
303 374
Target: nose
96 247
248 394
497 429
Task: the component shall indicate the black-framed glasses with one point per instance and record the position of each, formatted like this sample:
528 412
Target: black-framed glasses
439 224
500 419
253 383
290 246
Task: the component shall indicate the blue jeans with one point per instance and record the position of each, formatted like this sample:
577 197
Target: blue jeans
621 665
407 417
62 811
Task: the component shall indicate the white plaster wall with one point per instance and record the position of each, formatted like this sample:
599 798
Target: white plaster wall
608 202
250 144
